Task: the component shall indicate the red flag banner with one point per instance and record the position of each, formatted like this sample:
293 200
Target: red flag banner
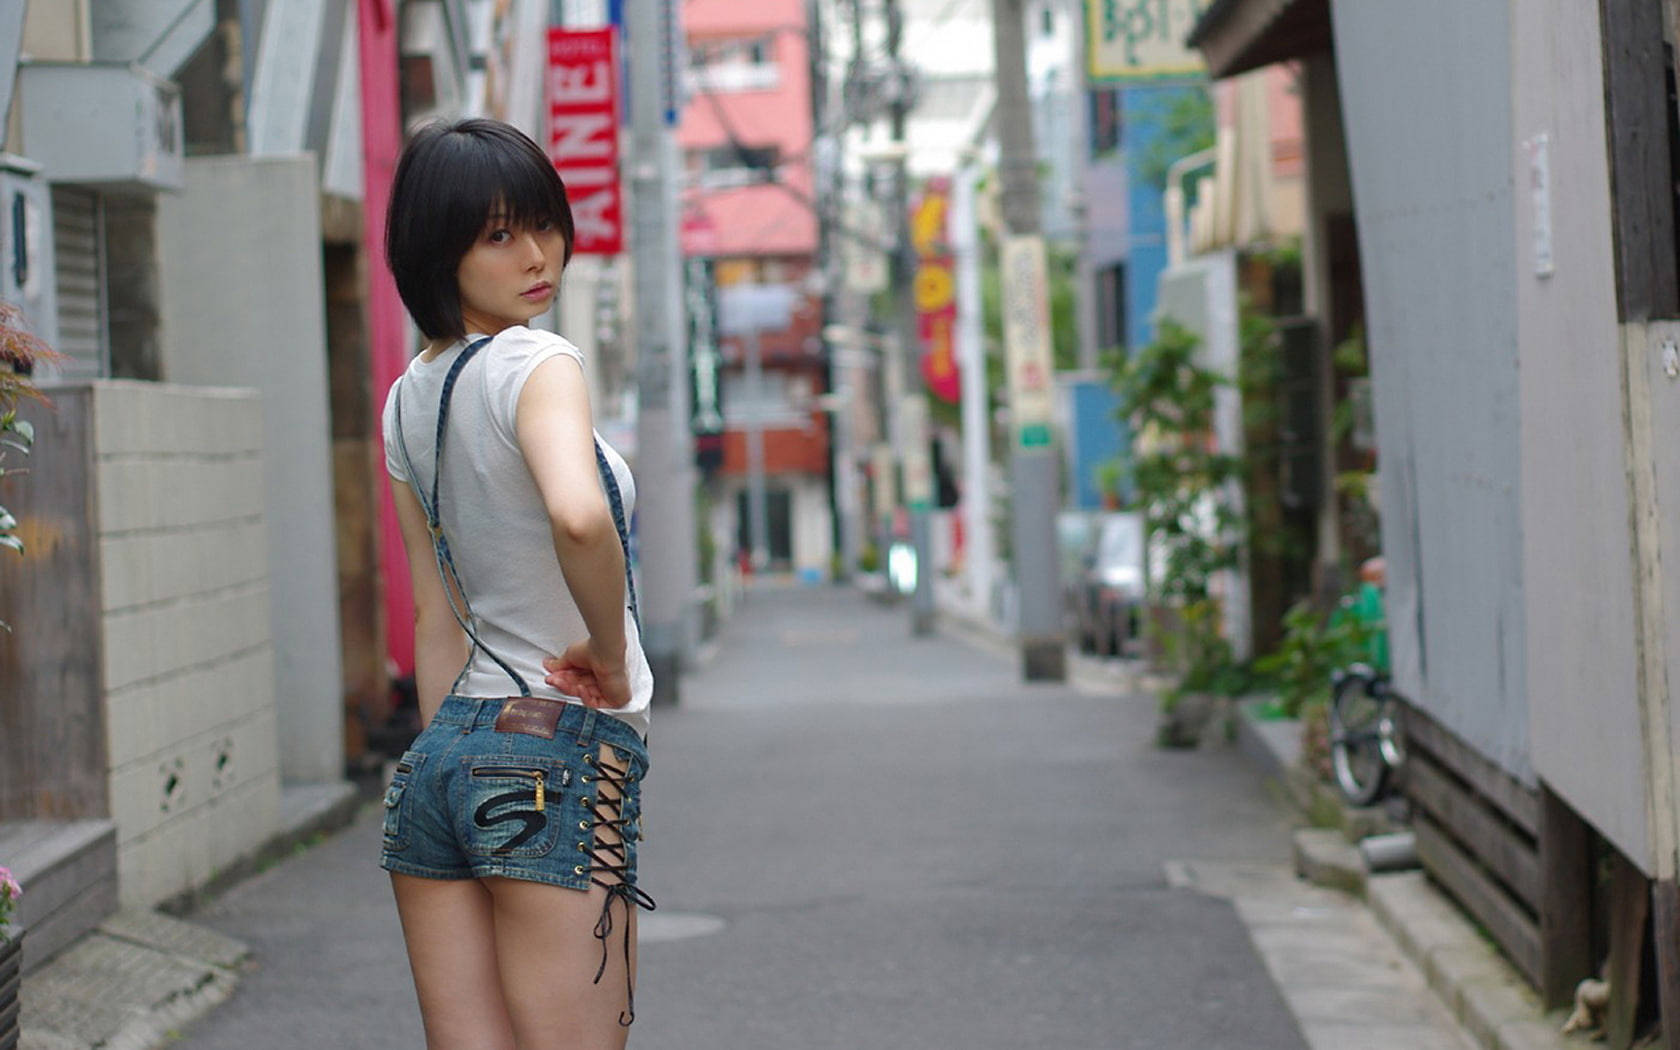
935 291
583 133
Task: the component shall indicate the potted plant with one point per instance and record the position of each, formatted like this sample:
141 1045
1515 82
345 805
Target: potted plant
11 960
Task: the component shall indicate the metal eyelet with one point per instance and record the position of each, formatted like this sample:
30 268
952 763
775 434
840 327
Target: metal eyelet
587 800
578 870
582 848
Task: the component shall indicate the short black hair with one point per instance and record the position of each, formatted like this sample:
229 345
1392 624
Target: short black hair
452 176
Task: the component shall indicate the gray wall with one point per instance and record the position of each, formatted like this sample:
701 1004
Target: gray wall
242 304
1426 97
1583 699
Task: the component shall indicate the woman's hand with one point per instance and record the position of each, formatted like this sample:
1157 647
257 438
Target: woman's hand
599 681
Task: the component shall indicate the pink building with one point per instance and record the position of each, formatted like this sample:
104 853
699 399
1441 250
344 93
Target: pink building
749 211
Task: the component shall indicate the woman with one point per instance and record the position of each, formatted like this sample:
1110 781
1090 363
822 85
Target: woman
510 826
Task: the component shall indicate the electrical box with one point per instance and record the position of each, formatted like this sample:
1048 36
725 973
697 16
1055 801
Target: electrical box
26 246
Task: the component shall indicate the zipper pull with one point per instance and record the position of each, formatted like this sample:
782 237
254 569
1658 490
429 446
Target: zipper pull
540 785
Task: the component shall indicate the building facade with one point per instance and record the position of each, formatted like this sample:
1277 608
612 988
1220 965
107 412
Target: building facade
750 213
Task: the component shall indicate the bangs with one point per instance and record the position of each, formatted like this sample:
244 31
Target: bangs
485 183
451 182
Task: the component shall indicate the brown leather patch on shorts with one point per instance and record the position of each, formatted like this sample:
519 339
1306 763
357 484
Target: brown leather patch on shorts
531 715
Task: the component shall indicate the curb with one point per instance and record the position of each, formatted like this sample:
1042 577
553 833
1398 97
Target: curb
1468 975
129 985
140 976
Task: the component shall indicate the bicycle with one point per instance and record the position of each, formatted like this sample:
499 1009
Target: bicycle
1366 745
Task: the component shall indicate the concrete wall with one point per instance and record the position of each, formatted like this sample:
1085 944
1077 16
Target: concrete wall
242 303
188 676
1582 693
1426 96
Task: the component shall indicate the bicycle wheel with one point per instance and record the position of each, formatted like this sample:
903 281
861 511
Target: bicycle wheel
1362 737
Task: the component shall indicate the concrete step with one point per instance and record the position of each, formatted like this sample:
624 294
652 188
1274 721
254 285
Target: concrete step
68 871
1325 858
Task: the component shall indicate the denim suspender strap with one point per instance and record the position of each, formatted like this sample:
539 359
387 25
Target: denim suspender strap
615 500
434 523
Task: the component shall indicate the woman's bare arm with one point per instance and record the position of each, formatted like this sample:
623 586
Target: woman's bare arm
557 437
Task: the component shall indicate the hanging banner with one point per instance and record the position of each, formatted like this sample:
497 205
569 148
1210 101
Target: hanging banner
1133 40
1026 340
935 291
583 133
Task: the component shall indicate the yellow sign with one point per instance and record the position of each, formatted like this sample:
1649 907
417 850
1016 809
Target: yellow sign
1143 39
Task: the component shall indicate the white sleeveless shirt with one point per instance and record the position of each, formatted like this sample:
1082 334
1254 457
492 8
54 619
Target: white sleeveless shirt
493 516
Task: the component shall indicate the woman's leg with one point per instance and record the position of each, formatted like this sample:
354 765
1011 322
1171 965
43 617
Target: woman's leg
568 959
545 937
450 931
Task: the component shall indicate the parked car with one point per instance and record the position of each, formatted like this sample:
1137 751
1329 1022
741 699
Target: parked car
1106 595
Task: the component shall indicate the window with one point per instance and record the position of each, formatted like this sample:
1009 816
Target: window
1105 121
727 65
722 167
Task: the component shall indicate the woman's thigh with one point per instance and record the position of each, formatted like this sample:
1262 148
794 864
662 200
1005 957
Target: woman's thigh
550 951
451 934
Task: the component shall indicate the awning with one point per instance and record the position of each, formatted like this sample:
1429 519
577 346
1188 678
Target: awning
1236 36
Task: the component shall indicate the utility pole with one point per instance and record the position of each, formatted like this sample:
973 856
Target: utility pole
1033 467
912 436
664 458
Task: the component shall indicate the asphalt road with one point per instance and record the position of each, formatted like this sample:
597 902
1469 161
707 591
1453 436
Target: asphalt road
857 839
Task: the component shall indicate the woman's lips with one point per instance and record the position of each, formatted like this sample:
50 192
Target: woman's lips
540 291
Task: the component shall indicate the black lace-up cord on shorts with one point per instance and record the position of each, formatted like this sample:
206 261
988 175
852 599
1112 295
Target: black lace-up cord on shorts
612 858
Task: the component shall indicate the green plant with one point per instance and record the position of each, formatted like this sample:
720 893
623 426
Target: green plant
1184 123
1183 486
19 353
1314 646
869 558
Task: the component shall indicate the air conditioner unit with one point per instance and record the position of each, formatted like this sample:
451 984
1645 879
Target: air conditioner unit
111 127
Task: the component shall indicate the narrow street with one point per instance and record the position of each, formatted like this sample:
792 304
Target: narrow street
857 839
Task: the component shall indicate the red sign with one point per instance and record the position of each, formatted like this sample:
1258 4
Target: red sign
583 133
935 292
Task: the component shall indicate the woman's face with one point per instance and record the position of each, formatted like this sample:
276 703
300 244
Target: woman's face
509 275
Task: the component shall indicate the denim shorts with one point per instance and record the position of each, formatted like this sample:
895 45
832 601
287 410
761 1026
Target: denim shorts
470 802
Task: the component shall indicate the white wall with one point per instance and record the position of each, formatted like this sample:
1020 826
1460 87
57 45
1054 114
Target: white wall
189 682
242 304
1578 570
1426 98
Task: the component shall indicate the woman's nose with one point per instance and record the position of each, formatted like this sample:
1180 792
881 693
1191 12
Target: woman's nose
535 251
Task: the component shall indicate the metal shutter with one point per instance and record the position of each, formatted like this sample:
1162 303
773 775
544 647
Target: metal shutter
79 250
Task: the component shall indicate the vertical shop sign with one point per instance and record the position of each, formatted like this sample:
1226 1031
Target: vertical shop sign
1026 338
935 290
583 133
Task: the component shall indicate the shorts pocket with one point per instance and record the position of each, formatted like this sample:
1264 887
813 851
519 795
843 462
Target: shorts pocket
396 819
514 806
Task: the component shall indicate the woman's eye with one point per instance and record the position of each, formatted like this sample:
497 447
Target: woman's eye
545 225
499 236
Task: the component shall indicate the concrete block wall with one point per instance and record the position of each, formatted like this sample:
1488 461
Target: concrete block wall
189 660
